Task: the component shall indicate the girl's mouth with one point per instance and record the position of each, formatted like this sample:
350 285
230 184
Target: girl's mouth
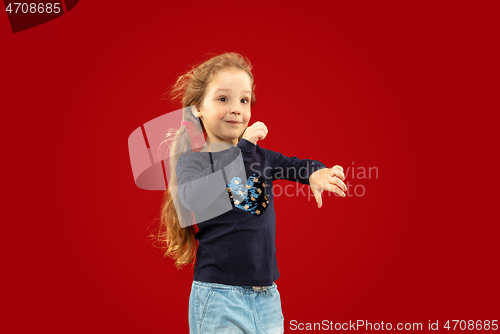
233 122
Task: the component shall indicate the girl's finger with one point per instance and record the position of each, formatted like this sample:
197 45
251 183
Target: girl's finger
265 127
317 196
339 167
334 188
338 182
337 172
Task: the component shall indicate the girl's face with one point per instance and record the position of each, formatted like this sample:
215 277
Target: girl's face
225 110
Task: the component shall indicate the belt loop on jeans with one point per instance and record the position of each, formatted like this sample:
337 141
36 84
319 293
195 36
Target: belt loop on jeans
259 288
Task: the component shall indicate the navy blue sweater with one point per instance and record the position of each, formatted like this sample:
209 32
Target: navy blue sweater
237 247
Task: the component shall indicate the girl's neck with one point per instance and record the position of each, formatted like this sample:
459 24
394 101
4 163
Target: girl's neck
216 147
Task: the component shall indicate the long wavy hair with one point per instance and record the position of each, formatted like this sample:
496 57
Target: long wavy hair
179 242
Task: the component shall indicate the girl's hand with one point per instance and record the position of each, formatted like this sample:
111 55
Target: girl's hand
327 179
257 131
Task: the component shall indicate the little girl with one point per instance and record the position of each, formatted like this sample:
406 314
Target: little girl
233 289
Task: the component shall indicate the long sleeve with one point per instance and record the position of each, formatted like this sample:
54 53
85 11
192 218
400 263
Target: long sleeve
292 168
199 185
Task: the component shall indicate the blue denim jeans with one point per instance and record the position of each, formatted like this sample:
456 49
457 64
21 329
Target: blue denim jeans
228 309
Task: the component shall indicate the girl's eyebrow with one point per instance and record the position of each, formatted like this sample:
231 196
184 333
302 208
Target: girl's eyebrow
229 90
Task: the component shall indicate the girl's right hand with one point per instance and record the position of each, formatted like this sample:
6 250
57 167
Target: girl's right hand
255 132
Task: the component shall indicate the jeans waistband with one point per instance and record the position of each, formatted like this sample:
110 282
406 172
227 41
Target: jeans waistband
243 288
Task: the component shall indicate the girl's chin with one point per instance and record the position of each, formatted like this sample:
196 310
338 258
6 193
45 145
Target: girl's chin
233 134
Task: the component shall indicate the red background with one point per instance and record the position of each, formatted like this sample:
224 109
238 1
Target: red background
408 88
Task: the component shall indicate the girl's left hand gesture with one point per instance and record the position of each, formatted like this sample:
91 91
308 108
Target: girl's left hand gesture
327 179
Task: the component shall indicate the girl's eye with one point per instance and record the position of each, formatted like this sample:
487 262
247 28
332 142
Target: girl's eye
244 100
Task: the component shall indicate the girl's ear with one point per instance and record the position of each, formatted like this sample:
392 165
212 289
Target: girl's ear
195 111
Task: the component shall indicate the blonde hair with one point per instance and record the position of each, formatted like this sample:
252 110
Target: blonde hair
190 88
